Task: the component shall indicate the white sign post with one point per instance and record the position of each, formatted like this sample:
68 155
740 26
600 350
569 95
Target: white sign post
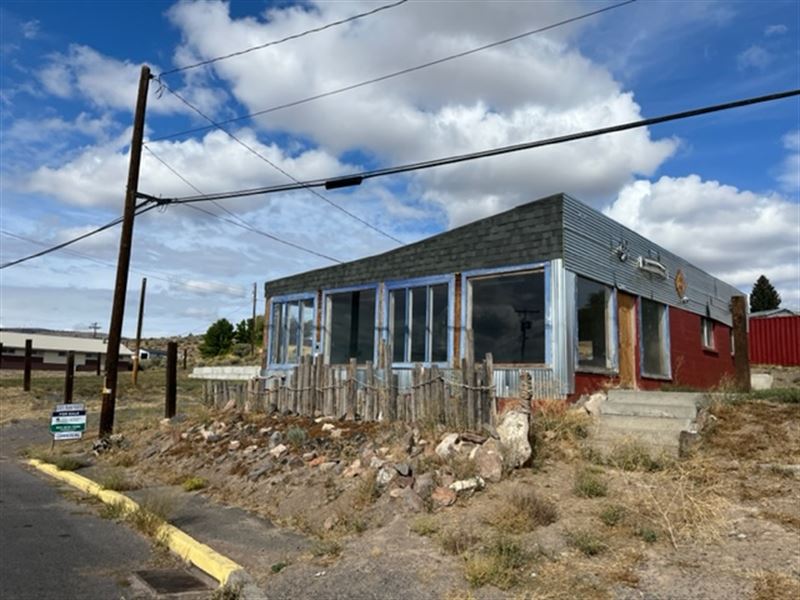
68 421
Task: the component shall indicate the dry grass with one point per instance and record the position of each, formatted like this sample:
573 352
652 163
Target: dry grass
522 510
589 483
117 480
367 490
631 455
587 542
424 526
190 484
457 540
770 585
497 564
557 429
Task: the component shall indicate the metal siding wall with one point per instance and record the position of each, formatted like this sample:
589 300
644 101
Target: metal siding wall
775 341
589 239
559 312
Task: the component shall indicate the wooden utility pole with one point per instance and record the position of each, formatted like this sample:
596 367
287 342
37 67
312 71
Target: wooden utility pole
741 347
185 353
172 380
1 355
26 374
99 360
135 372
253 330
123 262
69 378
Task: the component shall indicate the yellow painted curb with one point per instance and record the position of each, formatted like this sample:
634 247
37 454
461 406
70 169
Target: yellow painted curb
189 549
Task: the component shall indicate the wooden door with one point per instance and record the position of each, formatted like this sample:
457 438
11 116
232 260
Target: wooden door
627 340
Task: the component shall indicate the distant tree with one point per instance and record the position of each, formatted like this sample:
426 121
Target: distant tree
218 339
244 330
764 296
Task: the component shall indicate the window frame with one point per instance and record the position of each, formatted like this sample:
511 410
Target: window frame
612 333
408 284
704 322
665 341
325 339
286 299
466 308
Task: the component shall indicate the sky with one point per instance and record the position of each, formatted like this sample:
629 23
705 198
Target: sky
722 190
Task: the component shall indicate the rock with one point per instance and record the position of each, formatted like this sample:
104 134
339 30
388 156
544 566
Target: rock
275 438
403 469
278 450
594 403
385 475
445 479
234 445
328 427
295 461
330 522
466 485
410 499
260 469
354 470
315 462
376 463
250 450
443 496
328 466
264 431
465 447
336 433
489 461
424 485
513 431
209 436
760 381
474 438
308 456
447 447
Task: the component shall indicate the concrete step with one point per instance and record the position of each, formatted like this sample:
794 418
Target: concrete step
658 398
663 438
644 409
625 422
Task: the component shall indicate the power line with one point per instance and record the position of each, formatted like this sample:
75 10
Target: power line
357 178
295 36
94 259
140 209
241 222
279 169
394 74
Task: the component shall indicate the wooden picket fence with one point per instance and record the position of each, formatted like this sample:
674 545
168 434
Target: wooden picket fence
459 398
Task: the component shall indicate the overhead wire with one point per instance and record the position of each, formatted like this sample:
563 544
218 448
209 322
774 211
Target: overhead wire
357 178
295 36
394 74
241 222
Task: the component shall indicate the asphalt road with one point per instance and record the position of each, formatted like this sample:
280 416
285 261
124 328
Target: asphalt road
54 547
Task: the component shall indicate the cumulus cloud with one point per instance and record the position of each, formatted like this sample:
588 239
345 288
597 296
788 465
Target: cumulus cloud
754 57
789 172
734 234
778 29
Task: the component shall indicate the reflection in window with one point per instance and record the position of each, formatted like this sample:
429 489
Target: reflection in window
292 333
352 318
419 317
508 315
593 323
707 333
655 360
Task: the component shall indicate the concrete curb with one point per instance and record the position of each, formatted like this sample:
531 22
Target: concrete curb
203 557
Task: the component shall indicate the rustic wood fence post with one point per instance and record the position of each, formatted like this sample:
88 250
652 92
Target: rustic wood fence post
69 377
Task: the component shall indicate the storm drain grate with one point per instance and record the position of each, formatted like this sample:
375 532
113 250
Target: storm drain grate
171 581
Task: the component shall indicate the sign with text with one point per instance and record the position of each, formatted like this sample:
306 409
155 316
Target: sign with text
68 421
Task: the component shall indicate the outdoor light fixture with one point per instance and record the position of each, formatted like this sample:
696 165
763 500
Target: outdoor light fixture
622 251
652 266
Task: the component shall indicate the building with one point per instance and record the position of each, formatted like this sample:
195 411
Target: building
774 337
552 288
50 352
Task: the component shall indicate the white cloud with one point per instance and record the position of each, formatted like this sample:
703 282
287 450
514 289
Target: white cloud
734 234
789 172
779 29
755 57
30 29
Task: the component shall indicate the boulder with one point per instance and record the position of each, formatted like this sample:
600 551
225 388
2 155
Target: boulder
489 461
475 438
447 447
424 485
409 498
594 403
443 496
385 475
467 485
513 430
761 381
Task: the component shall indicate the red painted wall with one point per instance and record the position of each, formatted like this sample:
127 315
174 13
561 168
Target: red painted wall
775 341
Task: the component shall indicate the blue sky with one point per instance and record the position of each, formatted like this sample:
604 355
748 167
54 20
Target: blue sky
721 190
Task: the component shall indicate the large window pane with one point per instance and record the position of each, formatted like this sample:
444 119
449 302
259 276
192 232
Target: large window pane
292 331
352 326
399 328
307 307
292 327
419 325
439 326
592 323
654 355
508 318
277 334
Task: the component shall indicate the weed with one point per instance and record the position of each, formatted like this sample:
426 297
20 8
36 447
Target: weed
612 514
145 521
117 480
498 564
770 584
461 467
227 592
589 484
788 395
633 456
457 541
190 484
326 548
160 503
64 463
424 526
114 511
279 566
524 510
296 436
648 534
123 459
587 542
367 490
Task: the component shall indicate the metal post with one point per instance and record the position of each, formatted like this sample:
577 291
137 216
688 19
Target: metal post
123 262
741 356
99 360
69 378
26 376
172 379
253 330
135 372
185 352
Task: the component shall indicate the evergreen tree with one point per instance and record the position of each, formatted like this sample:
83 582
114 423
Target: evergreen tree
764 296
244 330
218 339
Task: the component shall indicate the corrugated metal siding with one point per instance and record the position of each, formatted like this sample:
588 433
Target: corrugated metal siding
589 241
775 341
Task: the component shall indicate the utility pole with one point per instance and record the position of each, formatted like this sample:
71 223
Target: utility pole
123 262
253 330
94 327
135 372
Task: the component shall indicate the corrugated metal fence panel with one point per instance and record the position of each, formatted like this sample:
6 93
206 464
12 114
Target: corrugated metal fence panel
775 341
544 383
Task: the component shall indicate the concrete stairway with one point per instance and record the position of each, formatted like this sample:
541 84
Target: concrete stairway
653 420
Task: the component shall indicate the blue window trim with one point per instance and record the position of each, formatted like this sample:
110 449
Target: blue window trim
665 336
466 305
612 337
376 332
280 300
420 282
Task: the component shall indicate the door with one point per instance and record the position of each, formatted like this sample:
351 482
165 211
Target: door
627 340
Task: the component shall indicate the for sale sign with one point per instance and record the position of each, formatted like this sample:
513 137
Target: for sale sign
68 421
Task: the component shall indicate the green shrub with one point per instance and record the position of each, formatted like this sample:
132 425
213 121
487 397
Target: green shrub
296 436
117 480
279 566
424 526
633 456
326 548
612 514
587 542
589 484
523 511
456 541
498 564
190 484
647 534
